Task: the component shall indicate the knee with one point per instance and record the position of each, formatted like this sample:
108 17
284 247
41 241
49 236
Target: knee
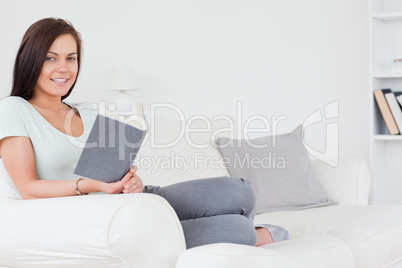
245 194
244 186
248 187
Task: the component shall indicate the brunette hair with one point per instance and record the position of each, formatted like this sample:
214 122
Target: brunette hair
32 54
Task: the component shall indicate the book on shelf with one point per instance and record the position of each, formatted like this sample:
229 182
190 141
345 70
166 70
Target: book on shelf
109 150
395 108
398 96
385 110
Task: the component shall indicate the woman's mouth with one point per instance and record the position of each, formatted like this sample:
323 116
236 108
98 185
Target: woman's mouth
60 81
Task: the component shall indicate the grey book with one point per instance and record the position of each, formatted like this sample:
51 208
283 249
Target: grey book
110 150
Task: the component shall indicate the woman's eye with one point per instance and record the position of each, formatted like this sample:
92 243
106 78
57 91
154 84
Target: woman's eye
50 59
71 59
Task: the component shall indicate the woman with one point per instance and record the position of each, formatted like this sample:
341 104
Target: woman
34 132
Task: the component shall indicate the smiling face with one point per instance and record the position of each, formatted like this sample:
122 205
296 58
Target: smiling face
60 68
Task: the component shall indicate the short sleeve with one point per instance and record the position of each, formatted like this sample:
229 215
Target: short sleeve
11 118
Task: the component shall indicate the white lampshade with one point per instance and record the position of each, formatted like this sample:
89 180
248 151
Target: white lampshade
122 78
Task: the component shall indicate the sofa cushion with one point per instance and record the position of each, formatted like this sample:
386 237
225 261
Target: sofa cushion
373 233
279 169
315 251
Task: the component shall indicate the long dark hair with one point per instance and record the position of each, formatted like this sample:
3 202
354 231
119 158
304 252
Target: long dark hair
32 54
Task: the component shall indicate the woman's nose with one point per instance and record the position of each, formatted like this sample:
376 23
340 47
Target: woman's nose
62 66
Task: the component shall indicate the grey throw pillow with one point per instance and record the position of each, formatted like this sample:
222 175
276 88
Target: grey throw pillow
279 169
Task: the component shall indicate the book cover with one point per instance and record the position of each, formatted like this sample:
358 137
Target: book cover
386 111
398 96
395 109
110 150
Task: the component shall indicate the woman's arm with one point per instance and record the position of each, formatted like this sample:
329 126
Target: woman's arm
19 160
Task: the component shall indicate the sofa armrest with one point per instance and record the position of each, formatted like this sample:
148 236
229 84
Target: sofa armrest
348 183
90 231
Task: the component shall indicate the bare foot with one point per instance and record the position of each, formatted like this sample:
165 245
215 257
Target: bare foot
263 236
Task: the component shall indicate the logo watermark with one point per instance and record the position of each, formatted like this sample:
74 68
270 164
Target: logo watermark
330 155
236 132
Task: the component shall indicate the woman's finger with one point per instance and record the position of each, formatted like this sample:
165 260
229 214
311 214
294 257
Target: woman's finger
124 181
129 184
135 186
133 189
136 190
133 169
138 186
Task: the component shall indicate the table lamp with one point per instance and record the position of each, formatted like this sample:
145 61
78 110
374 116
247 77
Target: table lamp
122 79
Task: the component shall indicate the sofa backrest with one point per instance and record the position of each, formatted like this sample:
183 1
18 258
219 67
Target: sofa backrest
349 183
174 152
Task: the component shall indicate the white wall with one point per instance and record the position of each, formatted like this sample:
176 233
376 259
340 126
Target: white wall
287 57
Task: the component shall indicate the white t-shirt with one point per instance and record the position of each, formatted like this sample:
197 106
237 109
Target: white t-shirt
56 154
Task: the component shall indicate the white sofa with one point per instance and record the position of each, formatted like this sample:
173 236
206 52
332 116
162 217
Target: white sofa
142 230
350 234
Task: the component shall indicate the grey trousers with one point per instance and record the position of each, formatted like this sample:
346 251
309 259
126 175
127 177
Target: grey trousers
213 210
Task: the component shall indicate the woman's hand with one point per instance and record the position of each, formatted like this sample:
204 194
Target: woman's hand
118 186
130 183
134 184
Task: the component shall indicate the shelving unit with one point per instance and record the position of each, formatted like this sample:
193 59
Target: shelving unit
387 137
385 22
386 76
387 16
